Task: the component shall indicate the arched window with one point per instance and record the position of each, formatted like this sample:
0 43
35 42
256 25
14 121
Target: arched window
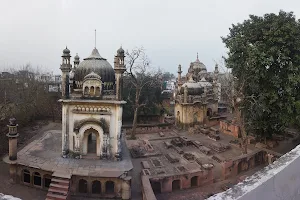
96 187
26 176
109 187
86 90
92 91
97 93
82 186
37 179
47 181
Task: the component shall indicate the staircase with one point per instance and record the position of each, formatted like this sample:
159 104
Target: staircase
59 188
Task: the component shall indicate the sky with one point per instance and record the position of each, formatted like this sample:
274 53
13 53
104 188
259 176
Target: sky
171 31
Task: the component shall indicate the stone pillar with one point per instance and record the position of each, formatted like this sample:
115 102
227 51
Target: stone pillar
126 188
13 139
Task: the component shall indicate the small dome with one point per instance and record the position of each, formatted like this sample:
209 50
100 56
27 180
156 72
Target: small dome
92 76
66 51
120 51
76 57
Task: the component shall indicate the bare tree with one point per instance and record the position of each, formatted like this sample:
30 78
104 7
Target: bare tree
141 76
234 94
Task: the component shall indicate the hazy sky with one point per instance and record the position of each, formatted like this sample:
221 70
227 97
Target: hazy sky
172 31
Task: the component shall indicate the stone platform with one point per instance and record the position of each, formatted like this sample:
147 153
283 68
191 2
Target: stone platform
44 153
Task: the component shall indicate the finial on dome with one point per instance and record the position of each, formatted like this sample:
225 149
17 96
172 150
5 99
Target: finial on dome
197 56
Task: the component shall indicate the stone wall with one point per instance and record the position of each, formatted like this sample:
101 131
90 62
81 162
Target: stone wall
150 128
229 128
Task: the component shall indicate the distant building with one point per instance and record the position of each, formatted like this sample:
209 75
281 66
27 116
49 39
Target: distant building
196 99
52 82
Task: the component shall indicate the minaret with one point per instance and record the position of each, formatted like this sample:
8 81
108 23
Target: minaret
119 68
65 68
76 61
179 75
13 138
72 73
215 82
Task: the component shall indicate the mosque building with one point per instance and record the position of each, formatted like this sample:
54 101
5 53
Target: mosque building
197 95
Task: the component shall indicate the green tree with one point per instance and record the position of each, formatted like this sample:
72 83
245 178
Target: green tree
264 55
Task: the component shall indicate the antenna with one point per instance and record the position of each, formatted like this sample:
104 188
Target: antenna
95 39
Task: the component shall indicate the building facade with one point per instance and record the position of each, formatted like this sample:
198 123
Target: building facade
92 105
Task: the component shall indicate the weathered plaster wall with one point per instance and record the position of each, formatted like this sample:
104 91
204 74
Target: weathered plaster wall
278 181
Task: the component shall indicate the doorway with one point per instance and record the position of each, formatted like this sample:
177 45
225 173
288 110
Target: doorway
92 143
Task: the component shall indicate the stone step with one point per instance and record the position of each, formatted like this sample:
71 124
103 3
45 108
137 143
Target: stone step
60 180
66 187
58 191
57 196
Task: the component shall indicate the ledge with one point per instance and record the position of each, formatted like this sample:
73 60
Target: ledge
91 101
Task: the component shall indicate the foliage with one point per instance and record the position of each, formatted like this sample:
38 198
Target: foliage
264 55
26 98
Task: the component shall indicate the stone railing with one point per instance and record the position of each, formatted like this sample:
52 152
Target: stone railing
147 190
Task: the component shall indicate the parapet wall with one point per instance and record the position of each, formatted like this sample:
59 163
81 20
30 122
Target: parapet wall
147 190
277 181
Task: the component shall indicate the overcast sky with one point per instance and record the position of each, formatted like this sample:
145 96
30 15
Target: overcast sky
172 31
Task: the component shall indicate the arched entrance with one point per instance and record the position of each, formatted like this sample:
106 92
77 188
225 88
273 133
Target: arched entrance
82 186
96 187
91 142
109 187
156 187
176 185
194 181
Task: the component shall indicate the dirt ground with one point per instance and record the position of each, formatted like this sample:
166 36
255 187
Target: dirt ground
27 134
